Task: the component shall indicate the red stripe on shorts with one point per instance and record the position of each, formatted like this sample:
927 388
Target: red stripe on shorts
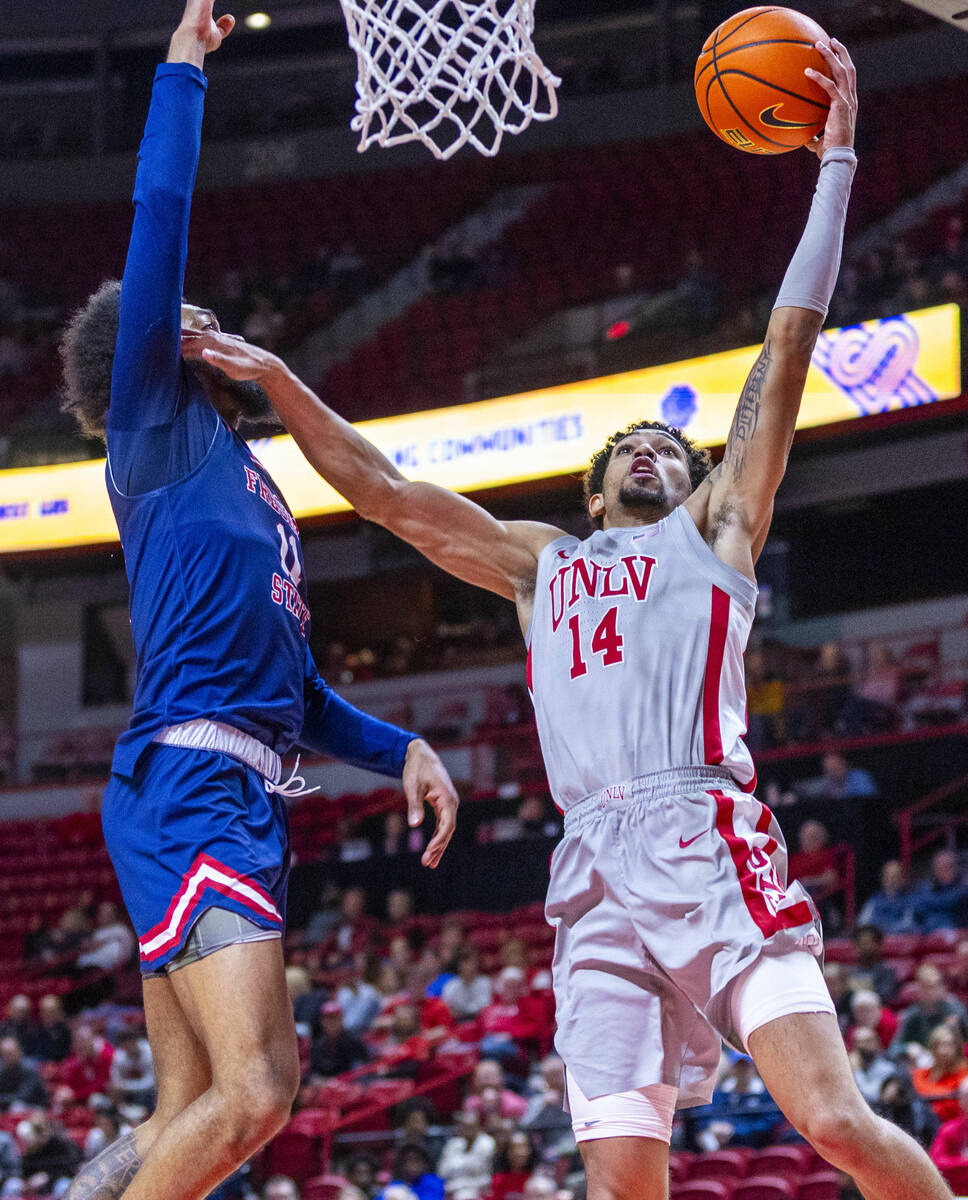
740 851
718 626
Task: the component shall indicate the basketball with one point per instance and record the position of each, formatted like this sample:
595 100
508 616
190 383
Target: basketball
750 82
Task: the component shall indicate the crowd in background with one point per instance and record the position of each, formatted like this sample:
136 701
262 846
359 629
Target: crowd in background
377 995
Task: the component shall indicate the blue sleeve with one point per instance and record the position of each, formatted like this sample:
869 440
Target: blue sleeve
158 424
333 726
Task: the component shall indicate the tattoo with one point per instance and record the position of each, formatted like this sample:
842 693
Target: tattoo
746 418
107 1176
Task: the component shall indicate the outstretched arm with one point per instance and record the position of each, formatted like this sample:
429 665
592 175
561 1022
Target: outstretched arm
331 725
146 380
734 507
452 531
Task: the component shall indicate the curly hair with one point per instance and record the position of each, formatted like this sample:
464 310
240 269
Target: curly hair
87 357
700 464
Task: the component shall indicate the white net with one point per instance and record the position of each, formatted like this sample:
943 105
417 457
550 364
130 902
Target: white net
446 72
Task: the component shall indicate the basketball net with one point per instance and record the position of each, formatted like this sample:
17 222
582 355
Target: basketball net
446 72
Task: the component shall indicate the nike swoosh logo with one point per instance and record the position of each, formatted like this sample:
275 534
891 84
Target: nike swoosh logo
769 118
683 845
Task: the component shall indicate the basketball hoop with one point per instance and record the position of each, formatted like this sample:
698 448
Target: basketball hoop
446 72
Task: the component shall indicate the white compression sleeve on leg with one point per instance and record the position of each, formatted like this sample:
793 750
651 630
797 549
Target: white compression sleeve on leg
812 274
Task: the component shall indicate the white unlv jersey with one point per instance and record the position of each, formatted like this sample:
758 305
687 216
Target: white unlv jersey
635 657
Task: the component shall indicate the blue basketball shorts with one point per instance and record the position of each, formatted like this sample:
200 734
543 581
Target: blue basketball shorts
194 830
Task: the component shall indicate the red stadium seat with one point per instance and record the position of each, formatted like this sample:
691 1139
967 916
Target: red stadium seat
821 1186
765 1187
700 1190
781 1160
324 1187
725 1165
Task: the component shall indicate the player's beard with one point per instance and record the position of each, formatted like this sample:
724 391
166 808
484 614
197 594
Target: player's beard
247 396
633 494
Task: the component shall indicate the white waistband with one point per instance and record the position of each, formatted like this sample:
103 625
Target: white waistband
659 785
202 734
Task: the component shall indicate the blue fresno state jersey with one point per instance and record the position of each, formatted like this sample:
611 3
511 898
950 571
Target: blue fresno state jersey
635 657
218 601
218 590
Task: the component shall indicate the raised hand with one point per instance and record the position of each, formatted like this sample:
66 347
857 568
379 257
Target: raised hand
199 32
842 90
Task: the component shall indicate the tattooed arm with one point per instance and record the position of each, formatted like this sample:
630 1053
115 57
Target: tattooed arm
733 507
107 1176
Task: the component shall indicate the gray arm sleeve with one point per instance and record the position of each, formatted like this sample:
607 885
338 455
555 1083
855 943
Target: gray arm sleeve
813 270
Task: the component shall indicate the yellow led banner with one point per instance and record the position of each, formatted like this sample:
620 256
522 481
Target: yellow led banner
880 366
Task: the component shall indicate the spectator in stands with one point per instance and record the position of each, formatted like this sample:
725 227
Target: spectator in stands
67 937
326 919
351 845
335 1050
540 1187
417 1122
939 1083
280 1187
306 1000
835 978
450 943
19 1023
467 1161
545 1113
358 998
891 909
941 902
86 1070
404 1044
20 1086
412 1167
949 1151
111 942
871 1065
397 838
355 926
934 1006
509 1026
814 864
838 781
488 1094
53 1031
399 910
514 1167
741 1099
878 693
868 1013
132 1072
469 993
957 970
765 698
9 1158
107 1128
870 972
46 1151
900 1104
361 1171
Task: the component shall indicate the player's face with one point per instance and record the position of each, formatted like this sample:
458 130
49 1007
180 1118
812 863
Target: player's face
646 478
236 400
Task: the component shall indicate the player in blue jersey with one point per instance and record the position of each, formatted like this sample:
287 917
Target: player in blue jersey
195 815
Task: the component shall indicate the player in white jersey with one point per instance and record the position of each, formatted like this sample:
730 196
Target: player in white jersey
674 925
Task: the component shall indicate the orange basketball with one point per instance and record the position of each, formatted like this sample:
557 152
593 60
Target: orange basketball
750 83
